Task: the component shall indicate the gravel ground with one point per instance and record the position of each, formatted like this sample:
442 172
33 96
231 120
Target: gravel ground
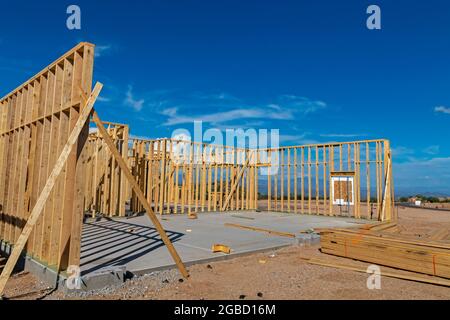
135 288
24 286
281 274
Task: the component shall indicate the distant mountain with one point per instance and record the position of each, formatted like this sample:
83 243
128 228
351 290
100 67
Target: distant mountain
433 194
407 192
400 191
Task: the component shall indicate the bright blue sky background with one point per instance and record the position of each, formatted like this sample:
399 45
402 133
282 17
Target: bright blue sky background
310 68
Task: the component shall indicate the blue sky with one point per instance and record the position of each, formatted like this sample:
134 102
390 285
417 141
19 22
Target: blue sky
309 68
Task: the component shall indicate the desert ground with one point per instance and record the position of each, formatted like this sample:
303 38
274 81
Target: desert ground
280 274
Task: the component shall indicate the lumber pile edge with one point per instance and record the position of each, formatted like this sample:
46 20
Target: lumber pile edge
426 257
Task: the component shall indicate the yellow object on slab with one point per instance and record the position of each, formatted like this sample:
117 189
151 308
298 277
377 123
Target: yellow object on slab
221 248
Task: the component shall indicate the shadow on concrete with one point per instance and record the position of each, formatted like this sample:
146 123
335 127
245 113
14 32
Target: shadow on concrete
109 243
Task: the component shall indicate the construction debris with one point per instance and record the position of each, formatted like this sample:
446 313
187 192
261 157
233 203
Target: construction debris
192 216
221 248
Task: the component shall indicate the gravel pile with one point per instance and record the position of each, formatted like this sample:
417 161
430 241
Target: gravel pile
145 286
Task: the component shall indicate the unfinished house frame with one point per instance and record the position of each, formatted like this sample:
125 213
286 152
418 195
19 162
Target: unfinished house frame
54 171
340 179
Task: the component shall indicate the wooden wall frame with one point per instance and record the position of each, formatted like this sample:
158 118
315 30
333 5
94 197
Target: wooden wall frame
206 177
301 181
43 111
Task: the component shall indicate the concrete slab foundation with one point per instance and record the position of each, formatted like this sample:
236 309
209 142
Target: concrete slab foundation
135 244
114 249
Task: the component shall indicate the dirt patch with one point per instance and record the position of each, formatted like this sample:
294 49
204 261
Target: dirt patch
422 223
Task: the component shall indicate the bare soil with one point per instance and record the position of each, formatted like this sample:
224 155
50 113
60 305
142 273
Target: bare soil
422 223
281 274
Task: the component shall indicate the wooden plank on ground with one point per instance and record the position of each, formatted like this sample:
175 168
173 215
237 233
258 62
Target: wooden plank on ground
278 233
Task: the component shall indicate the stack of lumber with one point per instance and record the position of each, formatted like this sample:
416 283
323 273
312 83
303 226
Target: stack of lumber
385 271
386 249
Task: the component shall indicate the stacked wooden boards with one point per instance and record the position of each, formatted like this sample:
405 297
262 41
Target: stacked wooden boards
428 257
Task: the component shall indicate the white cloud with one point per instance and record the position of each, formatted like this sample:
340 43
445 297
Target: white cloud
402 151
423 175
133 136
286 107
101 50
301 104
170 112
222 96
442 109
132 102
103 99
431 149
181 137
298 139
175 118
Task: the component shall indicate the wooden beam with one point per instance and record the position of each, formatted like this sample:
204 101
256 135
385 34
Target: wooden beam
236 182
385 206
278 233
140 195
40 203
